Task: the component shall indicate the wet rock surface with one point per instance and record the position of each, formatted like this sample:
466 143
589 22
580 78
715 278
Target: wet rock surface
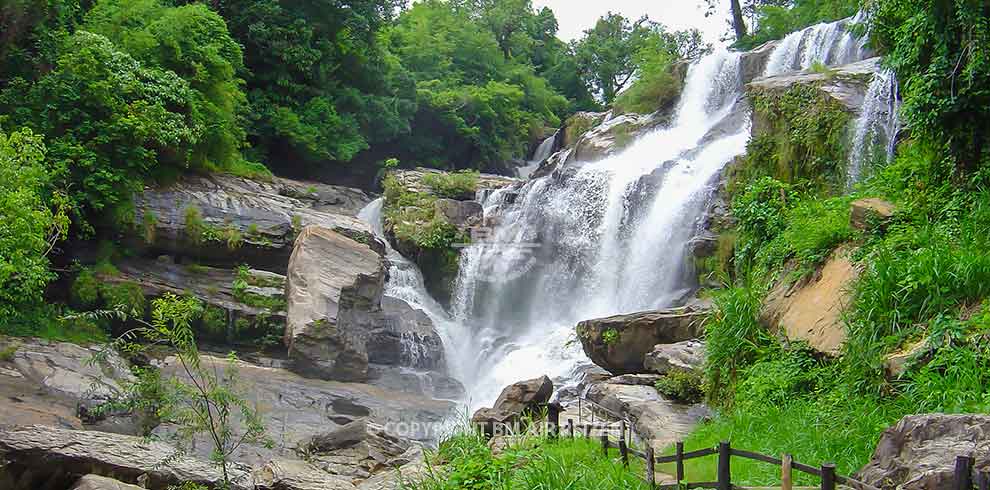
515 401
847 84
620 343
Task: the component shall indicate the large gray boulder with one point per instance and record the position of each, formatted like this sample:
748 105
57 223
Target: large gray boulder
620 343
846 84
263 218
919 452
525 395
39 455
685 356
334 295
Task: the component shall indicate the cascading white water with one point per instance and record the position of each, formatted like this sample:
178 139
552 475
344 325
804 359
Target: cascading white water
541 155
875 132
828 43
595 240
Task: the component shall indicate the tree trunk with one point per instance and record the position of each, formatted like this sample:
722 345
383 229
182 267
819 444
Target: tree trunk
738 23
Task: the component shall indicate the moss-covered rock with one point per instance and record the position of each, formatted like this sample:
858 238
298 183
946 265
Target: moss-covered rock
430 215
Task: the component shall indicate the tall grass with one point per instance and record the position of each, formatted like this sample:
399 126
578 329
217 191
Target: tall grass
464 461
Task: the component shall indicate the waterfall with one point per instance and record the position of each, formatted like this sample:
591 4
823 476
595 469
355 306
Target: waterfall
595 239
541 155
875 132
405 282
828 43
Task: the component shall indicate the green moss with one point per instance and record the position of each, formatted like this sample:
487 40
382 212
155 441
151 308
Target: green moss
610 336
149 224
214 322
454 185
244 281
800 136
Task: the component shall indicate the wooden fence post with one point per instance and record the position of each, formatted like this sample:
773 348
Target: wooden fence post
587 430
553 420
622 430
983 480
828 476
679 461
624 452
605 443
964 473
570 428
786 462
651 476
724 468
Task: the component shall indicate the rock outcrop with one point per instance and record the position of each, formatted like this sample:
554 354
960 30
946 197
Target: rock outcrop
226 220
866 213
294 474
846 84
516 400
810 310
334 295
55 383
408 338
39 455
296 409
687 356
919 452
620 343
656 420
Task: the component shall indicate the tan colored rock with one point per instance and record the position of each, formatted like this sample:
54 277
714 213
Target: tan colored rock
897 363
811 309
847 84
334 295
866 212
96 482
687 356
620 343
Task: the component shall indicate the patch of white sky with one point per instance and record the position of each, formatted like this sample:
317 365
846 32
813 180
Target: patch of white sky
576 16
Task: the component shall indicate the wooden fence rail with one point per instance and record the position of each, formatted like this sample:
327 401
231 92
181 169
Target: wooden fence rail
963 478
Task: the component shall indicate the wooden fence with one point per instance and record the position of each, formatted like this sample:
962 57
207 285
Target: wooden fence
963 477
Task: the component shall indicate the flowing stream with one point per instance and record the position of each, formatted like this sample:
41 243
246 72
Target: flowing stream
598 239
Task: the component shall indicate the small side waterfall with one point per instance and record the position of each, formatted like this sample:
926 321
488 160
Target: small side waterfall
829 44
405 282
542 153
875 132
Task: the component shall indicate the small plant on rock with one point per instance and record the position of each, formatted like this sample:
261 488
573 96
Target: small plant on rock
682 385
610 336
202 400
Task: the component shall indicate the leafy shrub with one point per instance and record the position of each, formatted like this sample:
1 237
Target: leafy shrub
657 87
454 185
682 385
610 336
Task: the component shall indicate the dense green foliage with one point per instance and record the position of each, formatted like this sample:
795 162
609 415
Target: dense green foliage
31 221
